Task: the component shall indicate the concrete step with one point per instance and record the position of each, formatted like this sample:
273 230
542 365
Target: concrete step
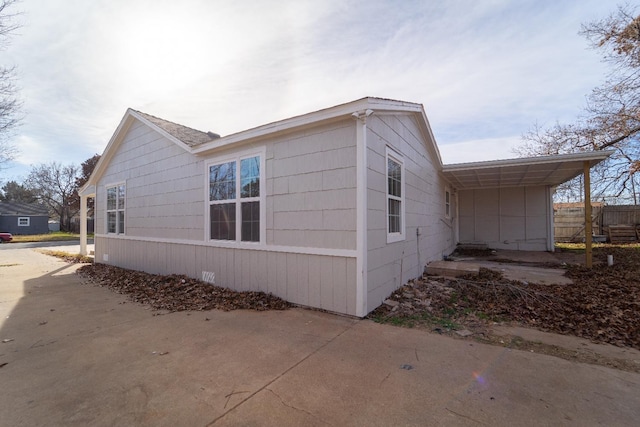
452 268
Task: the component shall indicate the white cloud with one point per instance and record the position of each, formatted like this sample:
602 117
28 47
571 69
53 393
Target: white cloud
484 70
479 150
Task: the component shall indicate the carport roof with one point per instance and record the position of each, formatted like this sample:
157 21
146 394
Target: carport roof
522 172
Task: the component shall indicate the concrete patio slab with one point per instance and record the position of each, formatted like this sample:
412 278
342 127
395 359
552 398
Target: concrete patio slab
515 265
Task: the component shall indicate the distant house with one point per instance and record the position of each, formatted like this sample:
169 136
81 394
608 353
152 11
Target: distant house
23 218
333 209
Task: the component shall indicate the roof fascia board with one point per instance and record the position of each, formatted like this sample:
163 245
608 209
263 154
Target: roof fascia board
485 187
328 114
379 105
575 161
109 151
595 156
116 139
425 126
434 144
159 130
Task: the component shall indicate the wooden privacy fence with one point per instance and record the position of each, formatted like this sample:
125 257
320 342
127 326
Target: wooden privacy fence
616 223
621 215
622 223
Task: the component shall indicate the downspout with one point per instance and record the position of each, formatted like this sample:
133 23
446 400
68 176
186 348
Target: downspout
361 211
456 222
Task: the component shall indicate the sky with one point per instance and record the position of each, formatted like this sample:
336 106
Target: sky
486 71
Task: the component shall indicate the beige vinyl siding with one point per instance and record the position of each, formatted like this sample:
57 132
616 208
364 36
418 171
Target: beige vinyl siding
390 265
505 218
310 203
325 282
311 188
163 186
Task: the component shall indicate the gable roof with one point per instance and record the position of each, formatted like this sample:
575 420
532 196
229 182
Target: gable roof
23 209
548 170
188 136
183 136
337 112
203 143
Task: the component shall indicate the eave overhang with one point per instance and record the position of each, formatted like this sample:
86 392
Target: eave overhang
521 172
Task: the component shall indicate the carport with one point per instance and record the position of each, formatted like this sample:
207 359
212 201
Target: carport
508 204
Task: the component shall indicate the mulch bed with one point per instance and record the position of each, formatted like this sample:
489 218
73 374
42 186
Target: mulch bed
176 292
602 305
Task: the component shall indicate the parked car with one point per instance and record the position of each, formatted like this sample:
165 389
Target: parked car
5 237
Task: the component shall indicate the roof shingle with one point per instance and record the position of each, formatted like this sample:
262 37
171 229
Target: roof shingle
26 209
189 136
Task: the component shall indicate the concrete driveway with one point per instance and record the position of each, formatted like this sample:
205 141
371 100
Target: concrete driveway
81 355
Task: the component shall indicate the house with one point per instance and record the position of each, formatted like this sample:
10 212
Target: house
23 218
333 209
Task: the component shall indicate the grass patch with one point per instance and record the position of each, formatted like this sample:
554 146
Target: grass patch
423 319
69 257
56 236
579 248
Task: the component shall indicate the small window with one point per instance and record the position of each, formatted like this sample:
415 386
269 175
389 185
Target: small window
116 196
234 200
447 203
395 197
24 221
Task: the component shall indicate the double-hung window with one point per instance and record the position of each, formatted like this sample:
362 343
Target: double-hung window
115 208
395 197
235 189
447 202
24 221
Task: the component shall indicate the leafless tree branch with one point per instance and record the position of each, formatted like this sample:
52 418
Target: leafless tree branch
611 116
10 105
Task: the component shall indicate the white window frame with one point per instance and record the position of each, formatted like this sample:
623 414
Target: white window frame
237 157
397 158
447 202
21 219
117 210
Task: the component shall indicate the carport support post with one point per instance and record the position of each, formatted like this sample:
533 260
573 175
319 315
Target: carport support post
588 232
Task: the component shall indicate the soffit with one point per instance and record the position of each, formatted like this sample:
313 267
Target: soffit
523 172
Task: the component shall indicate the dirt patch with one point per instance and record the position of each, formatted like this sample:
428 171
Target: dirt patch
176 292
579 355
603 306
66 256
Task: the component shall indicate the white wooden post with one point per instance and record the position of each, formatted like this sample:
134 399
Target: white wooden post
83 225
587 217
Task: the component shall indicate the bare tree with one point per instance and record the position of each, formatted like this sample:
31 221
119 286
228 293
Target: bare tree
55 186
9 102
611 118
